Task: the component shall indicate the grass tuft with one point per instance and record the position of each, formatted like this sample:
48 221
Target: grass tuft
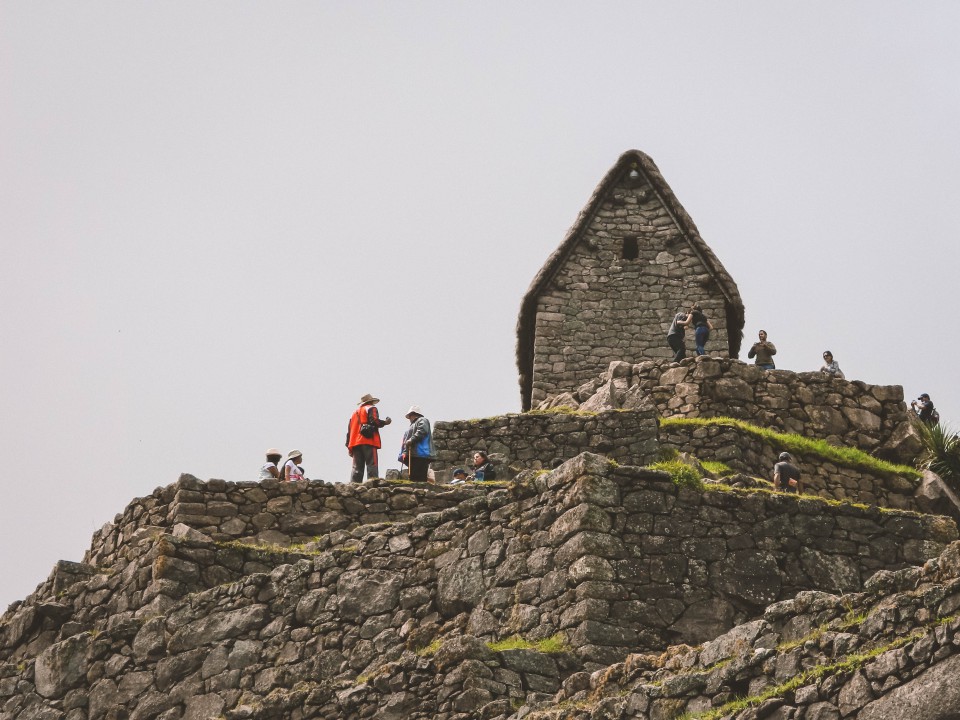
683 475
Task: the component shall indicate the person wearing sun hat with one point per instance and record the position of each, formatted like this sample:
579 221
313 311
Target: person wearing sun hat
363 438
291 469
417 450
269 469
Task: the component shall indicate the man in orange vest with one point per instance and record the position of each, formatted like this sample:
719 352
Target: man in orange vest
363 438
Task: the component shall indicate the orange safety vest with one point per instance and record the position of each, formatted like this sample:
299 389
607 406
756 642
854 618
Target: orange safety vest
358 418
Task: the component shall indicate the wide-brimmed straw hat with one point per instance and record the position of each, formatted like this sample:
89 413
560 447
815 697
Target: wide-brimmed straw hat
368 398
273 451
414 410
294 454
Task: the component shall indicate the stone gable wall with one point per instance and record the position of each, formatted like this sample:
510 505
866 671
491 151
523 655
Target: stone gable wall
534 441
601 307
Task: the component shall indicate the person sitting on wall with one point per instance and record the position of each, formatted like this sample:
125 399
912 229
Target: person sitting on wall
786 475
459 476
764 351
676 335
830 366
291 469
483 469
270 468
924 409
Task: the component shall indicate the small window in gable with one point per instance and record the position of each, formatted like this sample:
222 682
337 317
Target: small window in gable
631 250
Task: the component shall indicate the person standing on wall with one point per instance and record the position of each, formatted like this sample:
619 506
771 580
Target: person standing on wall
418 448
363 438
702 328
676 335
763 351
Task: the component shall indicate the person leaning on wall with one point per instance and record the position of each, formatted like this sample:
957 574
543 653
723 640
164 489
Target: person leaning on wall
291 469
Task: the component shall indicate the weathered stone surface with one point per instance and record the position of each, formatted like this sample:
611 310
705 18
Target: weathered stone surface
368 592
219 626
460 587
932 695
62 666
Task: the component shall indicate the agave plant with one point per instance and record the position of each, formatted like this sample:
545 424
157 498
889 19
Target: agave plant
941 452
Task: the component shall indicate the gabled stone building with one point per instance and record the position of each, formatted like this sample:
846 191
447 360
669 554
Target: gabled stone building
609 292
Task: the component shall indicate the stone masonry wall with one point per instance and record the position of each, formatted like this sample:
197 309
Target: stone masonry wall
745 453
873 418
270 511
603 307
537 440
616 558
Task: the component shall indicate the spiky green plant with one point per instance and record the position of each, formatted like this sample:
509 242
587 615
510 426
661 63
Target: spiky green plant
941 452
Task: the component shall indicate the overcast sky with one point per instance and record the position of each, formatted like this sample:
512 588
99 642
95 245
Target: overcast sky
223 222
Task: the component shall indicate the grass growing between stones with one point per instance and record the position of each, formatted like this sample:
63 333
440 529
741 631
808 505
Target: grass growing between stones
683 475
791 442
716 467
561 410
551 646
431 649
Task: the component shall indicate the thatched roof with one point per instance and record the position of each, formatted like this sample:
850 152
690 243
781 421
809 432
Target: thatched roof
632 159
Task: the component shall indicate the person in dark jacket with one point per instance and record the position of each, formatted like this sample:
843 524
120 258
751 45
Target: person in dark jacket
924 409
482 467
702 328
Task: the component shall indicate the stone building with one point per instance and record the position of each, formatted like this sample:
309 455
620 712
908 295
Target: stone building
609 292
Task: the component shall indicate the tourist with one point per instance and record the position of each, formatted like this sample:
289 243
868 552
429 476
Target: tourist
702 328
270 468
763 351
417 450
482 467
676 335
459 476
363 438
924 409
786 475
831 366
291 469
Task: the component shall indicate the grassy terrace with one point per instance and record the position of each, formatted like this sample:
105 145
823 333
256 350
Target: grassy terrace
845 456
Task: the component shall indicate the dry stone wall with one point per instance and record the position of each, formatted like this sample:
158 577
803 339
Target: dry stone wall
616 559
603 306
744 453
888 653
537 440
873 418
270 511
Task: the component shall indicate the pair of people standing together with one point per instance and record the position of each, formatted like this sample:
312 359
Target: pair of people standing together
363 441
681 321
